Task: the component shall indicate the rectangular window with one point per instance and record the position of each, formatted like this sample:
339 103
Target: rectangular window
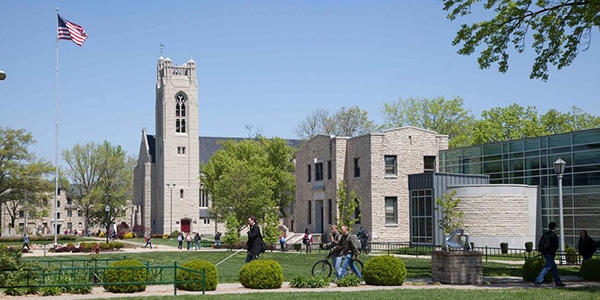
428 164
391 210
390 165
203 198
207 221
308 173
421 216
69 201
21 214
319 171
57 203
79 213
330 211
58 215
309 212
69 213
356 168
357 211
328 170
70 226
181 194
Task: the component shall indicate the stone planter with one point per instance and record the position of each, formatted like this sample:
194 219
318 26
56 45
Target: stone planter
456 267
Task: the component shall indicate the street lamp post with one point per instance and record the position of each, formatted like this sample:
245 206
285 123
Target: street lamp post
107 208
171 186
559 168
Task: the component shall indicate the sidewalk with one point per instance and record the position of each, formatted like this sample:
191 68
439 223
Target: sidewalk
236 288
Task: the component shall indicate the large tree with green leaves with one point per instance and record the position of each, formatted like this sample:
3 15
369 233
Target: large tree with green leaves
437 114
347 121
22 175
517 122
558 30
250 177
97 175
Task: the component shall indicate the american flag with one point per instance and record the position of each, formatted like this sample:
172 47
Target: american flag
70 31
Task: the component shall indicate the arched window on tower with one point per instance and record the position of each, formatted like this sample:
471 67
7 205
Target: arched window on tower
180 102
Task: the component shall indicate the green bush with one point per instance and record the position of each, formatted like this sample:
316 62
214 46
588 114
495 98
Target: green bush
120 273
261 274
298 247
590 270
303 282
384 270
212 276
348 280
571 255
116 245
533 267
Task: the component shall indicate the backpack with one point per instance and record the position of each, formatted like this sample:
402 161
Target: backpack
365 235
544 245
355 241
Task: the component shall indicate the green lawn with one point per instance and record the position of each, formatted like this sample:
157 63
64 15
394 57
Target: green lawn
293 263
429 294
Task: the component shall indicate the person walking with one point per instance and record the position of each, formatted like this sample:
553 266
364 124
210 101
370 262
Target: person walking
255 242
549 252
218 239
26 242
180 241
188 241
336 251
349 252
282 238
197 240
148 240
307 240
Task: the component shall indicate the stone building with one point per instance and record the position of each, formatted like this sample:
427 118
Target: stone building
375 166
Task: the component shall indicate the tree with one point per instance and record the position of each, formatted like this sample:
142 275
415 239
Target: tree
516 122
348 206
270 227
21 173
96 176
350 121
438 114
452 217
250 177
560 30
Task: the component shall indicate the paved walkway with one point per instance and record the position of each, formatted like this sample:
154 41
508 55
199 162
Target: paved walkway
237 288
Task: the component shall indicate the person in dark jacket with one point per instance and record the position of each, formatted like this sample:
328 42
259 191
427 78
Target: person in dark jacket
349 252
255 242
336 251
549 257
587 247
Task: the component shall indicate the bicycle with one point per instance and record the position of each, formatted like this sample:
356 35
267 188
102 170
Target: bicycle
324 268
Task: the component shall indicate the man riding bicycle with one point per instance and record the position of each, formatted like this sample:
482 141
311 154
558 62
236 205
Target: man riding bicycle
335 250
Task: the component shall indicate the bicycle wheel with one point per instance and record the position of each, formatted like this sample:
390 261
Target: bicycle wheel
322 268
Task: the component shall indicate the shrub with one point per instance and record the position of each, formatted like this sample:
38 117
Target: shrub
128 235
212 276
571 255
138 230
262 274
504 248
590 270
105 246
120 273
528 247
384 270
348 280
83 246
298 247
116 245
302 282
532 268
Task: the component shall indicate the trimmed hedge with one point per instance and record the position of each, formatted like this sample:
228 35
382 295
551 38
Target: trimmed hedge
590 270
533 267
262 274
121 275
384 270
212 276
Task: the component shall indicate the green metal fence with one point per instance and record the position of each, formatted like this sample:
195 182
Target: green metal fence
92 273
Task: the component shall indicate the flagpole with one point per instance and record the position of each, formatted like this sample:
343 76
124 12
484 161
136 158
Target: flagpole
56 152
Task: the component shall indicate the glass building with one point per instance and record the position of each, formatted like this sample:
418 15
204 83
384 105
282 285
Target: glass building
530 161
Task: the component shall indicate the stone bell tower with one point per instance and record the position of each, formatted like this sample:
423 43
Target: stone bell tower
176 184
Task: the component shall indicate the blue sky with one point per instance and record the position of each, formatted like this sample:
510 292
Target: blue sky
264 64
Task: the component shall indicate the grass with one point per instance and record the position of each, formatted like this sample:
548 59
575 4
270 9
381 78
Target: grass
293 263
429 294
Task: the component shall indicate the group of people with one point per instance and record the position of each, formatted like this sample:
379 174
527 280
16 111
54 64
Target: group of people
586 244
188 240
